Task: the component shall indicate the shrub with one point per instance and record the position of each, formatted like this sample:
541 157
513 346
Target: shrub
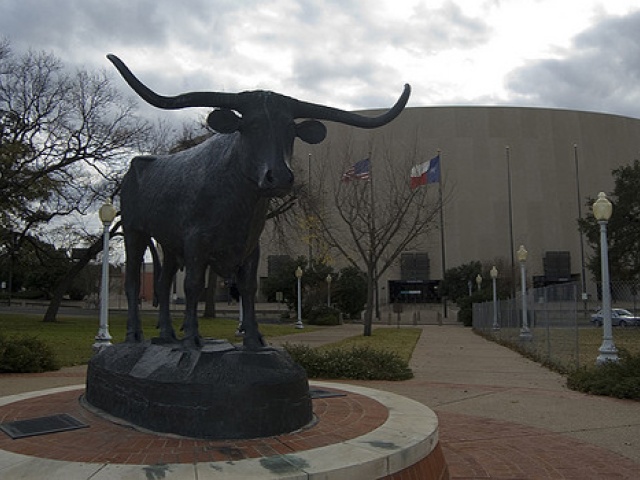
323 315
465 305
614 379
350 291
357 363
465 316
25 355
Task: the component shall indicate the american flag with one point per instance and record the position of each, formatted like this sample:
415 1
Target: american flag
358 171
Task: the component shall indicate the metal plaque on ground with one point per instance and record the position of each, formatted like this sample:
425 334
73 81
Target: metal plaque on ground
41 426
318 393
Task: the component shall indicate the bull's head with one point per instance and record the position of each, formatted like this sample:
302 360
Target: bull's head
266 121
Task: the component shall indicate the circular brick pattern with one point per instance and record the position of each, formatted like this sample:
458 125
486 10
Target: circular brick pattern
365 434
338 419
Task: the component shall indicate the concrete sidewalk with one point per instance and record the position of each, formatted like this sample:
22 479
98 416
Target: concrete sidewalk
504 416
501 415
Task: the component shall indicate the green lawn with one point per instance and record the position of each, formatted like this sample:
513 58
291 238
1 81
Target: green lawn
568 347
591 339
400 341
71 337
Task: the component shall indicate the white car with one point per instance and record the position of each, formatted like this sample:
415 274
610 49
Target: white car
619 317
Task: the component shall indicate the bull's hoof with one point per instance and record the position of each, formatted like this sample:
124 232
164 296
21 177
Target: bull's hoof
168 336
192 341
165 341
254 343
134 337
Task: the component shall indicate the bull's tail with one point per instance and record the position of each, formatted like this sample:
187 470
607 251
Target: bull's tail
157 270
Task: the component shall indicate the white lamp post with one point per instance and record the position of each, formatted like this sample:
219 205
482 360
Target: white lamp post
494 275
239 330
602 210
479 281
329 279
299 277
525 333
103 339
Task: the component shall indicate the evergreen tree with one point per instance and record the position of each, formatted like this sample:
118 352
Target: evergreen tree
623 229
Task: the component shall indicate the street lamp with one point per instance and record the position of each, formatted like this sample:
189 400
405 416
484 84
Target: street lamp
494 275
602 210
106 213
479 281
329 279
12 255
299 277
525 333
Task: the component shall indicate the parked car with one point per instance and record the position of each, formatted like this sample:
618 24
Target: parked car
619 317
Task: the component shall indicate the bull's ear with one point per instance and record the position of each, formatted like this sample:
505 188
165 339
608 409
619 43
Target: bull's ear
224 120
311 131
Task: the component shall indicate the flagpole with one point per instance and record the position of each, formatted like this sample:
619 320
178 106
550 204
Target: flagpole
442 244
309 221
582 272
512 248
373 230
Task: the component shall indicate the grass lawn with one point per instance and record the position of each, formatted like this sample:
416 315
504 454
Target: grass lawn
400 341
591 339
71 337
568 347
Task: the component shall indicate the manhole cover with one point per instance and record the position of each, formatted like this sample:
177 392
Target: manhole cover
41 426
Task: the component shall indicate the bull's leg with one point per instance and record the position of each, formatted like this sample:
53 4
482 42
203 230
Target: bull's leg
248 287
193 286
135 246
169 268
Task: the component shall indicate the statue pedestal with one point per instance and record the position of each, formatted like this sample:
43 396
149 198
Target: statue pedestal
217 392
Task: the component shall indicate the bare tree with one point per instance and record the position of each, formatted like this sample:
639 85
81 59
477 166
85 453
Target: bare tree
370 222
64 139
66 281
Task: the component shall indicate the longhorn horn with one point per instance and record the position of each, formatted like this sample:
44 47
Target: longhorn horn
321 112
192 99
232 100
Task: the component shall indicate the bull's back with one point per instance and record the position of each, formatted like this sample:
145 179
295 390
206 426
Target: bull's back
189 193
195 198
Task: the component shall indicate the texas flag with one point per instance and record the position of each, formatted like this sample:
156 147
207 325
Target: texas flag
427 172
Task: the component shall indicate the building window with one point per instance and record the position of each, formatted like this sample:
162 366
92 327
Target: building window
414 267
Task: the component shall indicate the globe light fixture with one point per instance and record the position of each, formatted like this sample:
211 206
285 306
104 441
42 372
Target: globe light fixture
602 210
299 277
106 214
521 254
494 276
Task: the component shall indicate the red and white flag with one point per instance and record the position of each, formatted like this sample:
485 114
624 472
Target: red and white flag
427 172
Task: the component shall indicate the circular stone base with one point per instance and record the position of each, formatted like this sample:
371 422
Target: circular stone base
360 434
217 392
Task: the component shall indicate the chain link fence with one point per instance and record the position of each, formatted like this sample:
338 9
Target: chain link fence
552 320
559 322
623 295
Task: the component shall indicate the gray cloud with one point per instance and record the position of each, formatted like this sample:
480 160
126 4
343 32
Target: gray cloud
349 42
601 72
341 52
318 50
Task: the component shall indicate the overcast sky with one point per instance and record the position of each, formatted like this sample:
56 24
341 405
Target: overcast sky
355 54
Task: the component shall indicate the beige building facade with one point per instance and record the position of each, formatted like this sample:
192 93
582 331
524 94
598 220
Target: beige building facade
510 176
